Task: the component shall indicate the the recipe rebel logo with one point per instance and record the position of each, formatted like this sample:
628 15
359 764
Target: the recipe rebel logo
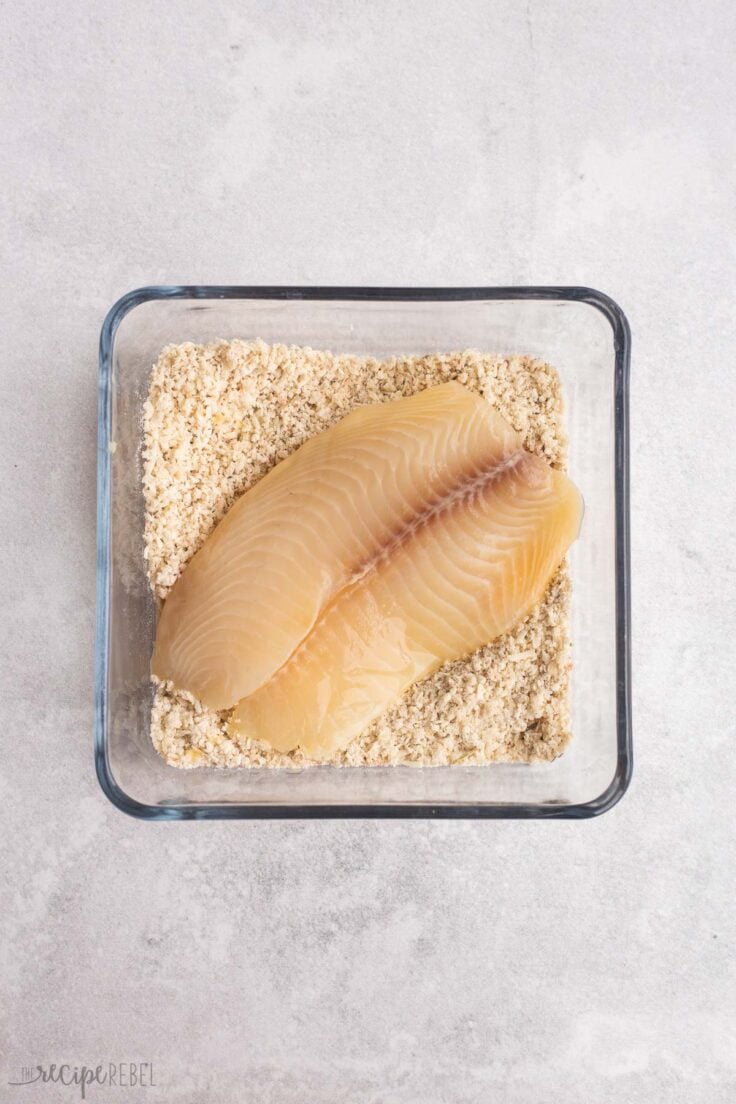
105 1075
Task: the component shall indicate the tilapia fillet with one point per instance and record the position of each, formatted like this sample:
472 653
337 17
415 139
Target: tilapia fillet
407 535
292 542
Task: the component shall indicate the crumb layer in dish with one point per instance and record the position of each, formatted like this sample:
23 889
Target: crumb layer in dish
219 417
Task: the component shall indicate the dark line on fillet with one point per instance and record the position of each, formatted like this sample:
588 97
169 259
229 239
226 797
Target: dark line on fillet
462 493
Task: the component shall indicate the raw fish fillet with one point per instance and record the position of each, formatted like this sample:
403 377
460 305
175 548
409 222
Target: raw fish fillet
467 568
343 504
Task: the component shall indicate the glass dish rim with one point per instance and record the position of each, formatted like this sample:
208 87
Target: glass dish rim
408 810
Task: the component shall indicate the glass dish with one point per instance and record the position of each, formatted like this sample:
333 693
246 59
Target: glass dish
584 334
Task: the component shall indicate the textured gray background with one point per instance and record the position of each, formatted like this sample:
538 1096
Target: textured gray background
365 142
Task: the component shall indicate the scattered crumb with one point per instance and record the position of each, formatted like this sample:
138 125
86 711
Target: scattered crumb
219 416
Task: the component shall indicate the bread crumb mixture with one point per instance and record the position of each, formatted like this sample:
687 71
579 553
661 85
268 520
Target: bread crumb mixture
219 416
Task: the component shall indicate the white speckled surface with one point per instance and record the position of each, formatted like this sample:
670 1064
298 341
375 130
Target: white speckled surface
451 143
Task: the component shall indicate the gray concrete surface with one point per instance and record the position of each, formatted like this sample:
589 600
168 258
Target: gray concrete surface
451 143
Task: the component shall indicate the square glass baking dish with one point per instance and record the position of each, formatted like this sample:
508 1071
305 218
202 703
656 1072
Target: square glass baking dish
584 334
